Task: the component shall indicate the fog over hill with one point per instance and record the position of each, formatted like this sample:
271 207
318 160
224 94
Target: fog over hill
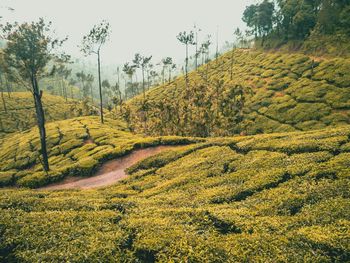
148 27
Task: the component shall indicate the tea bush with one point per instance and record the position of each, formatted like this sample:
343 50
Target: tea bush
283 92
266 198
18 113
76 147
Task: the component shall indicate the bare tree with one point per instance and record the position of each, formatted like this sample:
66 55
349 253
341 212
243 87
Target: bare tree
196 30
186 39
92 44
142 62
129 70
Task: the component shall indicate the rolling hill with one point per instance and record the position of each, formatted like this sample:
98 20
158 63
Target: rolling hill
262 198
283 92
76 147
244 159
269 197
18 113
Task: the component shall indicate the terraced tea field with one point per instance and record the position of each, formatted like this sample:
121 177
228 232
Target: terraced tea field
284 92
262 198
18 112
76 147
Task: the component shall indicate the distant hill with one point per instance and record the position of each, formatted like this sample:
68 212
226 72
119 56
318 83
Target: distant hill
18 113
283 92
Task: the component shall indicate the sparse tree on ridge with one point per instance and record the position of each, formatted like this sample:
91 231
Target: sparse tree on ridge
62 72
204 49
66 75
29 50
89 83
72 82
148 70
129 70
196 30
153 75
167 63
81 76
106 89
92 44
142 62
187 39
2 75
117 99
171 69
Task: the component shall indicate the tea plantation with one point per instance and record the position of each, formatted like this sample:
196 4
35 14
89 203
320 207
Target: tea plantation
283 92
76 147
18 112
263 198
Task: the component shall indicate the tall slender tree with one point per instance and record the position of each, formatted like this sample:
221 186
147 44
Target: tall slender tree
89 83
129 70
167 63
92 44
30 49
187 39
82 77
142 62
106 90
196 30
171 69
2 76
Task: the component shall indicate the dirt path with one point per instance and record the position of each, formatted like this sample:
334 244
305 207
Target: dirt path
109 173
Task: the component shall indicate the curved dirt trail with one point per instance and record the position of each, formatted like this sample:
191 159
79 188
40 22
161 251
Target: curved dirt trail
109 173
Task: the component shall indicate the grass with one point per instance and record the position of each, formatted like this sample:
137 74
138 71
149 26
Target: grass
20 112
289 92
266 198
76 147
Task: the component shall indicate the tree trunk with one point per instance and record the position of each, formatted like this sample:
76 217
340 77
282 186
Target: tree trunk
120 102
71 91
99 85
92 96
3 101
217 45
186 67
2 95
148 83
8 88
41 122
169 74
144 100
196 55
63 89
232 62
143 84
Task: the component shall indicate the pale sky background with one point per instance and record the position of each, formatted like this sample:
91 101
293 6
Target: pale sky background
145 26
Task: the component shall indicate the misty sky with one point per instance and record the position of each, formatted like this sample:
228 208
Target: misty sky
146 26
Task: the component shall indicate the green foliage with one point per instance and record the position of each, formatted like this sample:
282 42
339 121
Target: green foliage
76 147
263 198
281 92
20 112
320 26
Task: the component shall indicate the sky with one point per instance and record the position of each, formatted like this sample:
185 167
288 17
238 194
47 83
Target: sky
148 27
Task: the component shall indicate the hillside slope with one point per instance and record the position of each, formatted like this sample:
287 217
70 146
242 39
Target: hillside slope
76 147
18 113
265 198
283 92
